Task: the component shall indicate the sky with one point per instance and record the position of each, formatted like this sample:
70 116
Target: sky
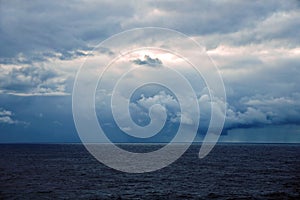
254 44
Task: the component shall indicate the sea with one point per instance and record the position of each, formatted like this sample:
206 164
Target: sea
230 171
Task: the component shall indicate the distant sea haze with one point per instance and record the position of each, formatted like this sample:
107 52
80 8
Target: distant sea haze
230 171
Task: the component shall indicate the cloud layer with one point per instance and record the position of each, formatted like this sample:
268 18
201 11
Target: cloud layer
256 46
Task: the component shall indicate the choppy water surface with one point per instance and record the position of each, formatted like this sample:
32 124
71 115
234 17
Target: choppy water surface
244 171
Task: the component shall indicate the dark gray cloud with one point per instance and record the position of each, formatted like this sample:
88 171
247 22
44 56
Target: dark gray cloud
153 62
263 91
34 28
260 111
38 37
255 111
31 80
213 17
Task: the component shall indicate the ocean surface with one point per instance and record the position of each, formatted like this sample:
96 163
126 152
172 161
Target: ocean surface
230 171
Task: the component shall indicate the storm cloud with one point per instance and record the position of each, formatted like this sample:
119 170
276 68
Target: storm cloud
255 45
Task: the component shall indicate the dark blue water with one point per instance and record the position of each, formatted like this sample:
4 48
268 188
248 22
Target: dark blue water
228 172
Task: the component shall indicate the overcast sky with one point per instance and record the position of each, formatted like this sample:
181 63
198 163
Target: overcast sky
255 44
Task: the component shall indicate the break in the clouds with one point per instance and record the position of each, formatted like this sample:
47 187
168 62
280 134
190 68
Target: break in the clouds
42 45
